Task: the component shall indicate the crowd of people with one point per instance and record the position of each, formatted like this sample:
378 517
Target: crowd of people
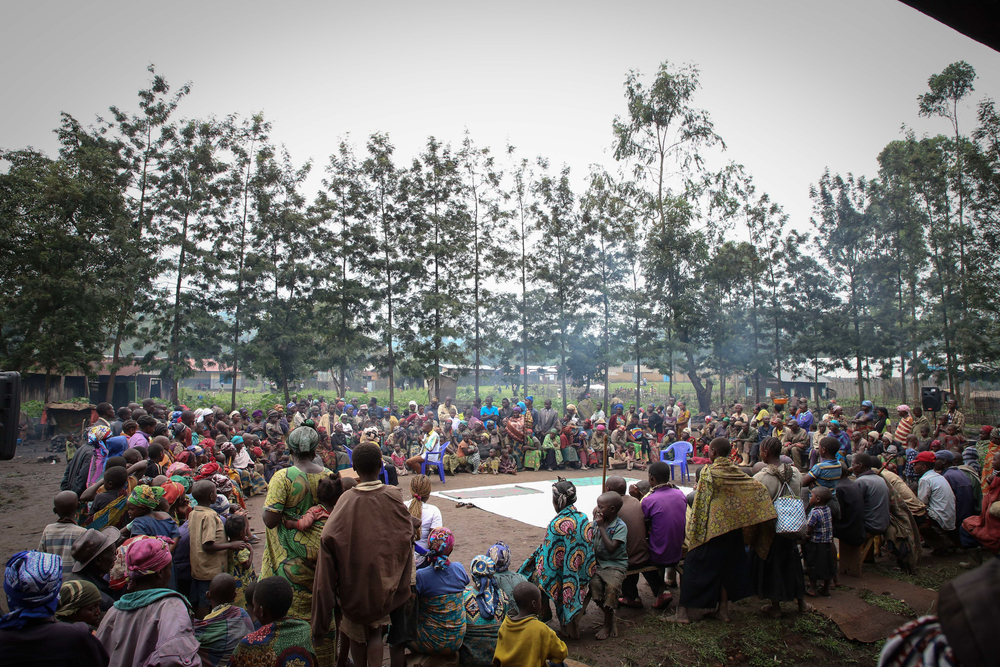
150 559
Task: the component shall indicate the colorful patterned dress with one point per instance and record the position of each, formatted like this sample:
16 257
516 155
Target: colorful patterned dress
291 553
564 563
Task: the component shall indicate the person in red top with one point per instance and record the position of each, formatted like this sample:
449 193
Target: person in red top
985 528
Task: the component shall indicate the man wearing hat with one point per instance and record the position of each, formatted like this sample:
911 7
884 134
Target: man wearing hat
905 425
94 553
934 491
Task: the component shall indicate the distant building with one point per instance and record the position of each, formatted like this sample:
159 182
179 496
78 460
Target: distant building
793 384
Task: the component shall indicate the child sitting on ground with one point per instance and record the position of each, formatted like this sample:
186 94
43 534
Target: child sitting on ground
399 460
280 640
612 560
507 465
57 538
819 535
523 640
492 464
618 459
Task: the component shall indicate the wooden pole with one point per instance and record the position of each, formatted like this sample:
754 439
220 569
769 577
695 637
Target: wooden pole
604 473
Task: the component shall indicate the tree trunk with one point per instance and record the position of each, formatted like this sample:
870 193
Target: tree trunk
236 364
113 371
175 329
722 391
702 390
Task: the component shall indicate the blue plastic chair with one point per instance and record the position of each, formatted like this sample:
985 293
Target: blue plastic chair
435 457
680 449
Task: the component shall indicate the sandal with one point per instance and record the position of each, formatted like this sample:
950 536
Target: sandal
663 600
634 604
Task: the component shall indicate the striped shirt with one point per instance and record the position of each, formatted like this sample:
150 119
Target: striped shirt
58 539
903 429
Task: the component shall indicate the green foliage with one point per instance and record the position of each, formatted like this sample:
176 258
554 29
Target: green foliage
169 242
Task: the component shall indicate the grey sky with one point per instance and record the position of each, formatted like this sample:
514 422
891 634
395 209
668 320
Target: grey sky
793 86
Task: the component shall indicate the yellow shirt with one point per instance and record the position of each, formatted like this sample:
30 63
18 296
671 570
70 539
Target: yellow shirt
528 642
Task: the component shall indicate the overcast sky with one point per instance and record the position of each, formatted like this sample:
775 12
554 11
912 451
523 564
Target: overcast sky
793 86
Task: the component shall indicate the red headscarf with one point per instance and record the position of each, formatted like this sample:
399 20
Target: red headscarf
207 470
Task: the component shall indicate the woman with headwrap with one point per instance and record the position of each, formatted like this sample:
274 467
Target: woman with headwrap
97 437
440 624
564 563
515 434
80 602
485 607
241 465
551 453
151 624
499 553
288 552
29 633
570 454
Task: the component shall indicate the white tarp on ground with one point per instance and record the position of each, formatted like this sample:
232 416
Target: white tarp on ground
530 502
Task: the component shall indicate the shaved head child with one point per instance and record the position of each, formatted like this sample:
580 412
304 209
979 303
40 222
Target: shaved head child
611 552
57 538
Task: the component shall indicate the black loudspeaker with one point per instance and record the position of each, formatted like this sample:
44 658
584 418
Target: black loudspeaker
930 398
10 413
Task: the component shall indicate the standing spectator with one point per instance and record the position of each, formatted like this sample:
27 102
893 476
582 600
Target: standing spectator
905 425
58 538
365 567
953 417
779 577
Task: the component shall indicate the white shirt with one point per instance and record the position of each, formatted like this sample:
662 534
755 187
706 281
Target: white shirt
430 518
934 491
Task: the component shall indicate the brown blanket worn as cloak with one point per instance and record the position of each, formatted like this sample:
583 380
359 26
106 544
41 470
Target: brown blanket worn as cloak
367 546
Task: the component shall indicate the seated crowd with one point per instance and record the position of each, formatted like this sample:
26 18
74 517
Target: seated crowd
150 560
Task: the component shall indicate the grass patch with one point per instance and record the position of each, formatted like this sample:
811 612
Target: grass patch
751 639
887 602
930 575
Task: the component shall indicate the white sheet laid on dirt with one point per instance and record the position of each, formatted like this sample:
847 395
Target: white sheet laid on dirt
529 502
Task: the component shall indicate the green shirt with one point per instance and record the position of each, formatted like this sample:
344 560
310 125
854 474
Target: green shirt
618 558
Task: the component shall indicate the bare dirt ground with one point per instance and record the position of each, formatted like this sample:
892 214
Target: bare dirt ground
880 602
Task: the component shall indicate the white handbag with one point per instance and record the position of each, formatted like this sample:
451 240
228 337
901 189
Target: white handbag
791 514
